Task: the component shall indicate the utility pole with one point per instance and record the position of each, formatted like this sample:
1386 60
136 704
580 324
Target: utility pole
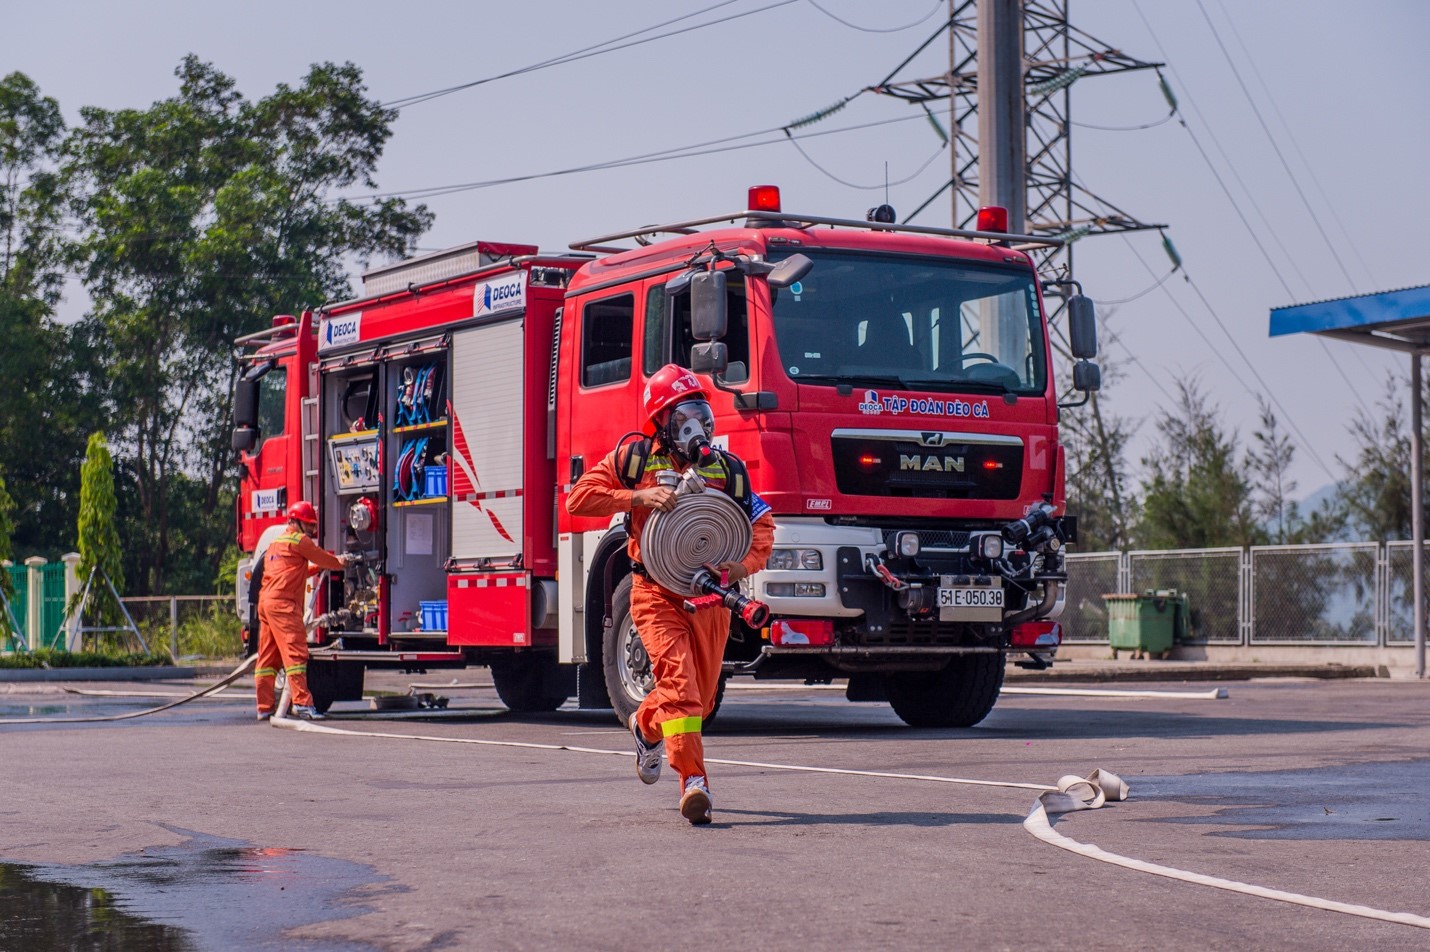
1003 144
1012 64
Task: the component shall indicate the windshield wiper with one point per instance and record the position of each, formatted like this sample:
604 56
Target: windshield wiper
976 386
850 378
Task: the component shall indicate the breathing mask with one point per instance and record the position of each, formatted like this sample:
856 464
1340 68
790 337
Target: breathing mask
690 428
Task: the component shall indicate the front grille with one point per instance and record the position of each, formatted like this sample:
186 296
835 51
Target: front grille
931 539
866 465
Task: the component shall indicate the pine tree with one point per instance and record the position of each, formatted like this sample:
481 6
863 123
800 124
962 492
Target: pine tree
1197 494
98 535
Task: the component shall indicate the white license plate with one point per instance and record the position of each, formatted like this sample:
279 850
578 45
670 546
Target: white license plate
970 597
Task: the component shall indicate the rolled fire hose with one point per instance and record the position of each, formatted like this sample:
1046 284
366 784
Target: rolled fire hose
706 527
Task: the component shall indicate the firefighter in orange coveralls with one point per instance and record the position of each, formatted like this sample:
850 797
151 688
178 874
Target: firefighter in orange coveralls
685 649
282 635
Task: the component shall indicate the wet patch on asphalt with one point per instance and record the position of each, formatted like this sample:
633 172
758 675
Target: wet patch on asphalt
1383 801
205 894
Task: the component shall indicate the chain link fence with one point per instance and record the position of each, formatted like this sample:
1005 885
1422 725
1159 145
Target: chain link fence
1211 579
192 627
1351 593
1090 576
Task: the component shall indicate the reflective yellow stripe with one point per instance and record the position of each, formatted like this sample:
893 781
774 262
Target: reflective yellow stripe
296 669
680 725
265 672
294 537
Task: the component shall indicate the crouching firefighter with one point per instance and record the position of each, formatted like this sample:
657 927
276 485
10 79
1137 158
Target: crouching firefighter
282 636
685 649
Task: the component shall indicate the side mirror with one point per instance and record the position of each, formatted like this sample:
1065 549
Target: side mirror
1087 376
709 316
711 357
245 402
1082 326
243 438
790 270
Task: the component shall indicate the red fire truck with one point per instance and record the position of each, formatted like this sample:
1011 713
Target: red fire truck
889 387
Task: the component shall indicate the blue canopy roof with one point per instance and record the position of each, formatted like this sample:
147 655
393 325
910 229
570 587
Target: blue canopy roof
1399 320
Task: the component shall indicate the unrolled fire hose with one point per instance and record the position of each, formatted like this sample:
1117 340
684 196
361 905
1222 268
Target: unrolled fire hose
238 672
680 547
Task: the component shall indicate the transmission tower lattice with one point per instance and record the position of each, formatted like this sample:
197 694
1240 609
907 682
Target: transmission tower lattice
1055 56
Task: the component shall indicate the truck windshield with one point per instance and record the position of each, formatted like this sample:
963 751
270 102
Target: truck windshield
915 323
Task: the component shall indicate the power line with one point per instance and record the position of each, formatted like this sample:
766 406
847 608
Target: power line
1236 207
870 29
868 188
1310 210
589 51
1291 134
1266 391
683 152
1231 166
1140 294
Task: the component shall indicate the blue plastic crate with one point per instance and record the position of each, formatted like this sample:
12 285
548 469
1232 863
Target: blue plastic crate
434 480
434 615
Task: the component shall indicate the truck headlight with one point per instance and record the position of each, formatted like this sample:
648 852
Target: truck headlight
808 559
907 543
986 545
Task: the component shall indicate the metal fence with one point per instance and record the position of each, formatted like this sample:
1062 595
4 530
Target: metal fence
52 611
1344 593
190 626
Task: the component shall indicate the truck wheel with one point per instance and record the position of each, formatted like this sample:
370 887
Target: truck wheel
533 683
330 681
623 657
626 664
959 695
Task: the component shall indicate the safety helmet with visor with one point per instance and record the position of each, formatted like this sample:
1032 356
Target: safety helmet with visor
690 424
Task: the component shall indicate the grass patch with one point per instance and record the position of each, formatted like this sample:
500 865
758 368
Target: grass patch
50 658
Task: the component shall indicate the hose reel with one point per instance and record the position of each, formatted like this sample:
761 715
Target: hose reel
706 527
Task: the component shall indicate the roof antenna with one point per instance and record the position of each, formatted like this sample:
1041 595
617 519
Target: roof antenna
884 214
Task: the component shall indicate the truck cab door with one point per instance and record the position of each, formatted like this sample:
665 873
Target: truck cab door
603 386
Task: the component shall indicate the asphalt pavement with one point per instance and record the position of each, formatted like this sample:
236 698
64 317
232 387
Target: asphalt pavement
189 819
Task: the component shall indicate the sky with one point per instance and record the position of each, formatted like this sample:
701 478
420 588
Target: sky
1307 188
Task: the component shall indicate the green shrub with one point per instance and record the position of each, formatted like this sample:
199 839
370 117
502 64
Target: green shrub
50 658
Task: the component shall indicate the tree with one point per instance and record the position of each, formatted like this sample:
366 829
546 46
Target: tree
1375 497
7 528
98 533
205 215
1197 494
41 441
1099 488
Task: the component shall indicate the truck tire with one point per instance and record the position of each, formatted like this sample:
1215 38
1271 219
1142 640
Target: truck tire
626 664
533 683
959 695
330 681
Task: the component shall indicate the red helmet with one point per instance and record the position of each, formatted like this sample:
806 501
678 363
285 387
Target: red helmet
670 385
303 511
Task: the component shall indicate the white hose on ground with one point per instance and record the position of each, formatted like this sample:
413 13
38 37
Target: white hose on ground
1040 825
217 686
1071 793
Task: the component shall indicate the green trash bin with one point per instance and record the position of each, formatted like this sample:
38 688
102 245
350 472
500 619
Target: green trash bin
1145 624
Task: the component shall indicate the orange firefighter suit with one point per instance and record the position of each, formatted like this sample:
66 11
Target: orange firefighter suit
282 635
685 649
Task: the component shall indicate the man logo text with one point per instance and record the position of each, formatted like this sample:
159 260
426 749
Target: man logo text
924 464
